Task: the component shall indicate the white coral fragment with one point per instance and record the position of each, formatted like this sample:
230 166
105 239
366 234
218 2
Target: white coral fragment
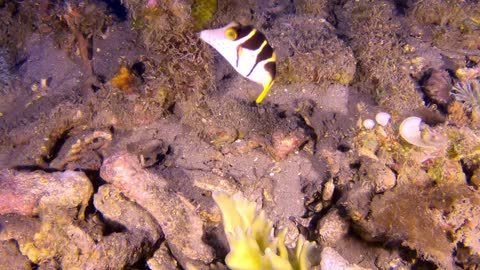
368 123
382 118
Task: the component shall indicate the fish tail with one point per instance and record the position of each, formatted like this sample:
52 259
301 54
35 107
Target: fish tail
264 93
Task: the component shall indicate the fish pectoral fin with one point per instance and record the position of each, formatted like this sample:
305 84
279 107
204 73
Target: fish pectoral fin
264 93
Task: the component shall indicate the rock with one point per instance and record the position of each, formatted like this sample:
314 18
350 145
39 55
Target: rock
162 260
377 173
464 219
331 259
475 179
284 144
57 240
117 208
328 189
332 228
11 258
437 87
181 225
434 220
150 152
25 193
20 228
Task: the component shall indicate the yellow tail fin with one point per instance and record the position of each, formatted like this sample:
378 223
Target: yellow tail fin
264 93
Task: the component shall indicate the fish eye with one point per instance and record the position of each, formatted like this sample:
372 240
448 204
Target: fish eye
231 34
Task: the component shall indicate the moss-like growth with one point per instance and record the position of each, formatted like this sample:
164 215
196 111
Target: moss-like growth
413 216
431 185
253 244
168 30
315 54
375 34
202 12
313 7
453 24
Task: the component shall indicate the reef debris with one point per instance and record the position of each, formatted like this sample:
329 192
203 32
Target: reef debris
26 193
181 224
414 132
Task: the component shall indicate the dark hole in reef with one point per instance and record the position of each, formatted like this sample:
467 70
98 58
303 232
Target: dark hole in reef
116 8
401 7
171 108
95 88
32 168
94 176
343 147
355 165
102 78
142 262
97 181
227 77
89 48
112 129
111 226
470 63
138 68
468 171
411 255
424 265
282 115
57 146
19 63
215 237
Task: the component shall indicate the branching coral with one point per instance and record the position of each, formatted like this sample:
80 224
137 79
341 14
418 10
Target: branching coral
252 242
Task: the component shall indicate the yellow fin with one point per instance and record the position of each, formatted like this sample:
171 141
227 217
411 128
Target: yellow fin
264 93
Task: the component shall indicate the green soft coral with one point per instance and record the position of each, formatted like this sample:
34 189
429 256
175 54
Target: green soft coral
252 242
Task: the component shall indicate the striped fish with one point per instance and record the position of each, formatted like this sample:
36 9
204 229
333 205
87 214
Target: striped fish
247 50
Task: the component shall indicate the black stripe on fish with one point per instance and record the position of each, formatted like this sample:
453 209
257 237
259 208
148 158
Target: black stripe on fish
271 68
242 31
264 54
254 42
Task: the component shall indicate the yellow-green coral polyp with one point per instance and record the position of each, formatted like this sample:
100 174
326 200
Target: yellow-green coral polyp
202 12
253 246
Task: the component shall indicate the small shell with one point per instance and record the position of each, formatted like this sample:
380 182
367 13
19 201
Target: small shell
383 118
368 123
410 131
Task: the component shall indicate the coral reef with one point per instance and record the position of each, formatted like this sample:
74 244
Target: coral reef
184 232
376 43
250 238
451 25
10 255
430 184
120 129
202 13
468 92
167 29
27 193
315 55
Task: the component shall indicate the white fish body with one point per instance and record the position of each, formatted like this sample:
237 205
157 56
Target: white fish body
247 50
